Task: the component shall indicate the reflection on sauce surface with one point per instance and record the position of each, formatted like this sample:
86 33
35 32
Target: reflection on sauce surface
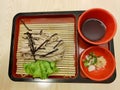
93 29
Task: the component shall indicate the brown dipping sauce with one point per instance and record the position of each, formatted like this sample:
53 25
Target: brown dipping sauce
93 29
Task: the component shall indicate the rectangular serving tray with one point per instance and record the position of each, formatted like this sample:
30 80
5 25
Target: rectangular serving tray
80 45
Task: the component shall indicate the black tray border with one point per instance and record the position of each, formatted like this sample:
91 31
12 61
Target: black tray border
78 79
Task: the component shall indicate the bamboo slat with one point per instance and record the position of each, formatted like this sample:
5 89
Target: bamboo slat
66 32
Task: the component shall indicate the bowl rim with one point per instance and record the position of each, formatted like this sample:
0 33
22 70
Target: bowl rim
92 78
97 42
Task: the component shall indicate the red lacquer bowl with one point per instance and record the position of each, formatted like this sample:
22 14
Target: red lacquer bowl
102 15
103 73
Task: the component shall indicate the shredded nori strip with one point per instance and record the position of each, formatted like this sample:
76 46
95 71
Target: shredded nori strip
49 53
46 41
26 26
41 45
41 31
57 44
31 42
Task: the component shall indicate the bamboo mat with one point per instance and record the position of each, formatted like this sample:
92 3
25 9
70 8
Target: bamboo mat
66 32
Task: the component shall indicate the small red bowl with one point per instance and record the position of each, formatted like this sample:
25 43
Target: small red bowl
102 15
103 73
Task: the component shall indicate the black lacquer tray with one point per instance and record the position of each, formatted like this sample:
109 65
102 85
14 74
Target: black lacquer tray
80 45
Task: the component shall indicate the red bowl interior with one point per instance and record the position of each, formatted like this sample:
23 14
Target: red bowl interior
103 16
101 74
